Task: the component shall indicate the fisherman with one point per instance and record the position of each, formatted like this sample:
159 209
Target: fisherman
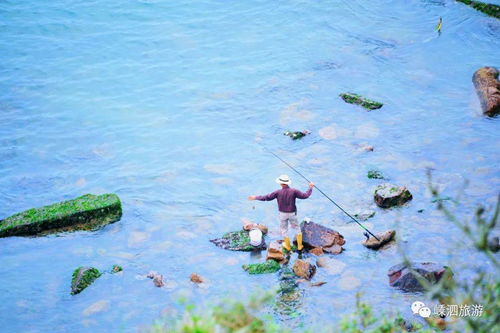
287 210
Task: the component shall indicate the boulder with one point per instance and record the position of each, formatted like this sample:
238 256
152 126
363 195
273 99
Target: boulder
388 195
157 278
275 251
368 104
488 89
384 238
401 277
296 135
486 8
270 266
316 235
250 226
237 241
87 212
195 278
82 278
304 269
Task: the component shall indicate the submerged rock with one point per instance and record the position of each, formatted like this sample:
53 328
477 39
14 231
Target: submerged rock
359 100
296 135
374 174
401 277
304 269
494 244
116 269
316 235
270 266
237 241
87 212
157 278
364 214
388 195
82 278
195 278
332 266
384 238
487 8
275 251
488 89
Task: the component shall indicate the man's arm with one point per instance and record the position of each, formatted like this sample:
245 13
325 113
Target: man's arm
302 195
267 197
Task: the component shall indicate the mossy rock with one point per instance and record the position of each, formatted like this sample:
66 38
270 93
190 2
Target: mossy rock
87 212
82 278
487 8
359 100
388 195
296 135
270 266
237 241
374 174
116 269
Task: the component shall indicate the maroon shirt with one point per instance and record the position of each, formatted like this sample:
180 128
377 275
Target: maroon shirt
286 198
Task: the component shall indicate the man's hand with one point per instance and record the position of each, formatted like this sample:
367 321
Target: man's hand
311 185
252 197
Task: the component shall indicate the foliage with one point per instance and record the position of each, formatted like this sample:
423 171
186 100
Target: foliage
82 278
270 266
487 8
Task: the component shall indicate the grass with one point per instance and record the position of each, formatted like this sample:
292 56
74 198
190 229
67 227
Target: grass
270 266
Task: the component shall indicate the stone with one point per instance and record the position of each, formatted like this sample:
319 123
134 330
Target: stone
384 238
157 278
237 241
270 266
486 8
494 244
87 212
82 278
334 249
316 235
364 214
359 100
116 269
401 277
488 89
374 174
250 226
330 265
318 284
297 134
317 251
275 251
388 195
304 269
195 278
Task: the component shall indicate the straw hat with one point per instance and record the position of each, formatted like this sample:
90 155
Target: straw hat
283 179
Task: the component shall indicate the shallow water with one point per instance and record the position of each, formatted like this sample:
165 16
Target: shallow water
165 104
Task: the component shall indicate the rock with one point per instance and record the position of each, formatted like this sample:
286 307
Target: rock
334 249
364 215
83 213
488 89
364 102
374 174
270 266
487 8
98 306
274 251
304 269
316 235
494 244
157 278
250 226
195 278
348 281
116 269
388 195
318 284
237 241
401 277
317 251
296 135
332 266
82 278
384 238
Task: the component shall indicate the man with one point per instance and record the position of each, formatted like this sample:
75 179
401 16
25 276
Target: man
286 205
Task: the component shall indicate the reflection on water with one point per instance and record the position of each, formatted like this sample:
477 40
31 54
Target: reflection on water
164 103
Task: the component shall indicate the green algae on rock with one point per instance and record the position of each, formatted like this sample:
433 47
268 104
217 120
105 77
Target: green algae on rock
487 8
296 135
87 212
237 241
374 174
270 266
82 278
388 195
359 100
116 269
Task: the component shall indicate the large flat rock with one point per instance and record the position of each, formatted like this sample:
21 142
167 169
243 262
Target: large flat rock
87 212
316 235
401 276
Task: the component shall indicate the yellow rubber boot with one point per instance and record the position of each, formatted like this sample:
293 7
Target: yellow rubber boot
286 244
299 242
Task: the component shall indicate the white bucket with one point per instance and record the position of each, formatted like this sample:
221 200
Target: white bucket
255 237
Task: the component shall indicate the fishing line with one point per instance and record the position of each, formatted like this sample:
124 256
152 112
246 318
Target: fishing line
326 196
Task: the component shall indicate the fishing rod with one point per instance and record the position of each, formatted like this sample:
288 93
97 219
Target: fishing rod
326 196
